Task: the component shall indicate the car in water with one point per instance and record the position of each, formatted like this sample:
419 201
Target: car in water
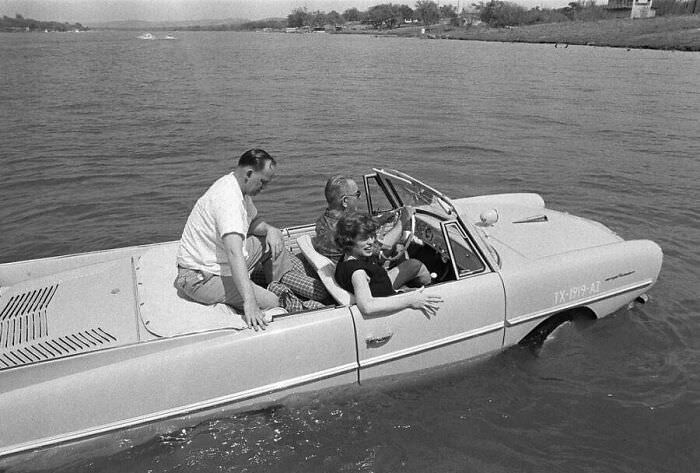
96 342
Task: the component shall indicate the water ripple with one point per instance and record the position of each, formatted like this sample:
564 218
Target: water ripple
115 149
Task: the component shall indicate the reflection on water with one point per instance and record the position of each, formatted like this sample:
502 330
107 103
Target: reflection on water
112 139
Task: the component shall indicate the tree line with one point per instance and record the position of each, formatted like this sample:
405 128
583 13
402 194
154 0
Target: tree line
19 23
386 15
494 13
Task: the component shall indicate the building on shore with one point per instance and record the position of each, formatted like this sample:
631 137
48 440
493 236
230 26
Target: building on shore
644 8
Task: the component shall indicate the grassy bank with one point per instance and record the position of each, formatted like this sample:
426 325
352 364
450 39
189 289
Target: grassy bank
669 32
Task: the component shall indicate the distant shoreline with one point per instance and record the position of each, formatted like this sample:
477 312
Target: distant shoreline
678 33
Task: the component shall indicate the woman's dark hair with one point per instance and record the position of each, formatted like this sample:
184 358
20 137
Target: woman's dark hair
256 158
354 227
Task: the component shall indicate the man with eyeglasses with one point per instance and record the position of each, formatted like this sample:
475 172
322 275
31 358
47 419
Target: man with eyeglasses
342 195
224 239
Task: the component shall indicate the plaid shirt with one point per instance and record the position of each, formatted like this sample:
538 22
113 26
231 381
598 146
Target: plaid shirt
324 242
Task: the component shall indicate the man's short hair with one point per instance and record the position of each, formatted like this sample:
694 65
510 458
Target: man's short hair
256 158
336 188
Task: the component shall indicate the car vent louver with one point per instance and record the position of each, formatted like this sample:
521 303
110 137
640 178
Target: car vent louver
24 331
533 219
58 347
28 302
23 317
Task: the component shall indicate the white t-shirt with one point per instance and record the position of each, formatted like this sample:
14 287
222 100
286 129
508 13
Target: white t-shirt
221 210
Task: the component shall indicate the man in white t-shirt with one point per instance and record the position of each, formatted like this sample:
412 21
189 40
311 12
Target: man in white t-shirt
225 238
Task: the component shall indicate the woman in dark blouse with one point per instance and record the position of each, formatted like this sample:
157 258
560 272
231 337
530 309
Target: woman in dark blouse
359 273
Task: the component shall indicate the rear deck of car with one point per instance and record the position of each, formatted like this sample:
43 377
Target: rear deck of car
67 313
69 309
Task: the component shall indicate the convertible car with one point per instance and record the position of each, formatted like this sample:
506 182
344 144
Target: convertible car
96 342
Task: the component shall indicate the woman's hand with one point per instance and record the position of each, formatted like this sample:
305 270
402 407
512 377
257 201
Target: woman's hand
427 303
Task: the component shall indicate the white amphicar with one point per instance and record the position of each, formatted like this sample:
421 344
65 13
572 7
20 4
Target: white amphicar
96 342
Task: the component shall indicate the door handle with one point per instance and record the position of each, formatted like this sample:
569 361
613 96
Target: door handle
371 340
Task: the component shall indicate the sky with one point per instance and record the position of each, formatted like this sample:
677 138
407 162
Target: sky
87 11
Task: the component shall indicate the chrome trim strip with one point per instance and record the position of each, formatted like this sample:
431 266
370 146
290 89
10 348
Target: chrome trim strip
294 228
430 345
543 313
392 176
448 244
187 409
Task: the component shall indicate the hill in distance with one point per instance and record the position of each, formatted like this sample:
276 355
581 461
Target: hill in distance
146 25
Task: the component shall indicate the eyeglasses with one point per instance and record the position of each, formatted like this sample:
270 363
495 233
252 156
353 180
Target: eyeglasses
356 195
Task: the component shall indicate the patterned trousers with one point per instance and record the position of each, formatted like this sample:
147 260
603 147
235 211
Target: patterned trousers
302 280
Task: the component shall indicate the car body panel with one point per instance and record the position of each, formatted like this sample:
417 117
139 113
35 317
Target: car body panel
90 393
470 322
536 232
553 261
603 279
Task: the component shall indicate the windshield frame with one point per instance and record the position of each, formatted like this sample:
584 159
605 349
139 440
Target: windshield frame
387 177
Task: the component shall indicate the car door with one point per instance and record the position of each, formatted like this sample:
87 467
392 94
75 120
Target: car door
470 321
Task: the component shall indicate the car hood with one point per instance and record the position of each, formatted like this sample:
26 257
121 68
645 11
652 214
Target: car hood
528 228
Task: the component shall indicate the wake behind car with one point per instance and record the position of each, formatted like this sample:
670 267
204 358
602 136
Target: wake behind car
96 342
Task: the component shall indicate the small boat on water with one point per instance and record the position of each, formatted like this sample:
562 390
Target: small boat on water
169 36
146 36
96 342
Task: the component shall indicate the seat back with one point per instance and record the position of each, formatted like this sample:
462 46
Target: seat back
326 271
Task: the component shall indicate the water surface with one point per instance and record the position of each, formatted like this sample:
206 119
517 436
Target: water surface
108 140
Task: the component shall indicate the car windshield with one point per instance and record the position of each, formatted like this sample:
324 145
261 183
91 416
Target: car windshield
421 196
416 194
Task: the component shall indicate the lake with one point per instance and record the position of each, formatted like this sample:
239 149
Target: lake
107 140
